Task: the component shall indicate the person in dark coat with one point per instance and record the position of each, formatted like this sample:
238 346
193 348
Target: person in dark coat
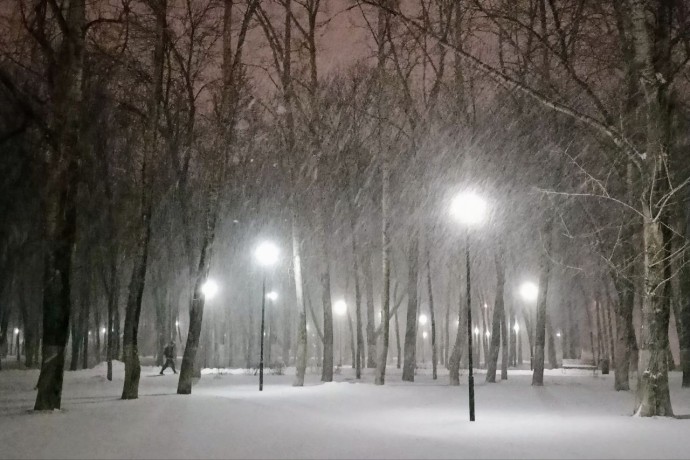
169 353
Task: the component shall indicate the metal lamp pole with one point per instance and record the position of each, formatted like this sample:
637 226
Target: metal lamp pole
263 316
469 326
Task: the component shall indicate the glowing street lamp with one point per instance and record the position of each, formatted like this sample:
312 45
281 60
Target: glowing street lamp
469 209
425 335
516 328
209 289
340 307
272 296
529 291
476 330
267 255
423 319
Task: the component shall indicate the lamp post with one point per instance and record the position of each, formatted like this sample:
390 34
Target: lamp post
530 292
267 255
469 209
340 309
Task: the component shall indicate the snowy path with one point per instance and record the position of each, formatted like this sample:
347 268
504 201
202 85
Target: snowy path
574 415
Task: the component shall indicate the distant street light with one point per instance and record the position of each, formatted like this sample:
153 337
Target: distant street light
476 330
469 209
16 331
267 255
209 289
422 319
516 328
425 335
530 293
558 334
340 307
272 296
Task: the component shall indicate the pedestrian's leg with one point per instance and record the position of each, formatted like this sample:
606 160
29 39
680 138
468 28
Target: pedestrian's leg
165 366
172 364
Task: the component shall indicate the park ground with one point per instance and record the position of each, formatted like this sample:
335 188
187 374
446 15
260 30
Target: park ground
575 415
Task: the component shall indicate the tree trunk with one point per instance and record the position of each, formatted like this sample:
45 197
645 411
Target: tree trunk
446 328
434 352
130 350
544 275
512 353
302 342
357 362
371 316
597 311
398 356
410 362
196 308
498 322
327 369
551 345
505 328
380 378
456 355
85 332
60 220
76 341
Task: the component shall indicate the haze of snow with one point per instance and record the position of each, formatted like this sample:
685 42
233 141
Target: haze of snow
576 415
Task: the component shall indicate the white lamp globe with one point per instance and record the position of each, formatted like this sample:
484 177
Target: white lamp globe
267 253
340 307
209 289
529 291
273 296
423 319
468 208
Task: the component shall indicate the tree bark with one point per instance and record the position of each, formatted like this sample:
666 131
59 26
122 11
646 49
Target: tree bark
130 350
544 275
371 316
410 362
398 356
456 354
498 322
380 378
432 312
60 206
327 369
302 342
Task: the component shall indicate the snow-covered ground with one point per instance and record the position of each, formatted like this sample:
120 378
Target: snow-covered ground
575 415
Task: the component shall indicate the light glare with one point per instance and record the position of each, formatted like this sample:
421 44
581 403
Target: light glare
529 291
273 296
267 253
340 307
468 208
422 319
209 289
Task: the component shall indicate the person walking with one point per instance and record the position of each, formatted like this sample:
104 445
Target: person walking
169 353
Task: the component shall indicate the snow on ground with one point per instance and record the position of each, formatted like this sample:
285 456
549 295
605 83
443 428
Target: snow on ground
575 415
